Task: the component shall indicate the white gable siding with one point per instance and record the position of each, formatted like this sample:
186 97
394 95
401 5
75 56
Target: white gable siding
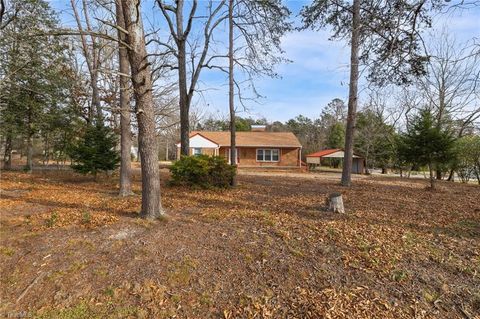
199 141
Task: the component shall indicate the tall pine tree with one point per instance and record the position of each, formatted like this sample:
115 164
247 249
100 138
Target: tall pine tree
383 35
31 72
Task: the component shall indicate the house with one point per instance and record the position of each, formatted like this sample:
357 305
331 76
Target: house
314 159
134 153
255 148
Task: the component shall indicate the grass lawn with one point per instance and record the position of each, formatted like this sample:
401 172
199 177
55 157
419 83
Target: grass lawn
70 248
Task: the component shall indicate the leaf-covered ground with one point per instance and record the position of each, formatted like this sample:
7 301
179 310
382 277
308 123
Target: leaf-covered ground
70 248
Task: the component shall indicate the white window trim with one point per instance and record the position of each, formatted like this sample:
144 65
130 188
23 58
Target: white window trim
196 148
270 149
228 155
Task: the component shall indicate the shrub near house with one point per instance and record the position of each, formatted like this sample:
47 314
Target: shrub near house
202 170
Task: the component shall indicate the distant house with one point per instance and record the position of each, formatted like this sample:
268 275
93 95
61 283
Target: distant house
315 159
256 148
134 153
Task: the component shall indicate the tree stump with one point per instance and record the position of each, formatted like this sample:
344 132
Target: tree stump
335 203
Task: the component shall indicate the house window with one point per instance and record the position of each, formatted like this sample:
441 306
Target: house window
275 155
197 151
268 155
259 155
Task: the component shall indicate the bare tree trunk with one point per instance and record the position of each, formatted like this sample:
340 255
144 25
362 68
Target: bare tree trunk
2 12
29 165
183 101
231 101
125 132
166 149
180 30
182 83
451 175
142 87
46 151
477 171
96 97
353 96
30 133
7 157
432 176
367 171
439 174
91 61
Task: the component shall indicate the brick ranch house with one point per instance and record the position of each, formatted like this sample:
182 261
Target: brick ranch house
256 148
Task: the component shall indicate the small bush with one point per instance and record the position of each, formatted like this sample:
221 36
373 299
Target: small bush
86 218
95 152
202 170
52 220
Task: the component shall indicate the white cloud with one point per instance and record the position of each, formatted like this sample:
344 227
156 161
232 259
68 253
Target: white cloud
312 51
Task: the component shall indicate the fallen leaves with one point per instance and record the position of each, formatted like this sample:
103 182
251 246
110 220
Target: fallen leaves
48 204
265 249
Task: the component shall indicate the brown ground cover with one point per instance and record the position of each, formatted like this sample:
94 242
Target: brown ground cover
70 248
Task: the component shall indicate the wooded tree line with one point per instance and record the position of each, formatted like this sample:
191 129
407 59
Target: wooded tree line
106 67
380 138
110 76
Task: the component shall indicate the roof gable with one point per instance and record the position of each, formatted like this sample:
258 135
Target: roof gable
324 152
334 153
197 140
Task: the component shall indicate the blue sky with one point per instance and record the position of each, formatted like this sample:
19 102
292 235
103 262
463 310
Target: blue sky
317 74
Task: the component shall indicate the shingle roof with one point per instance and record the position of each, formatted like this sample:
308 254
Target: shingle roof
330 151
254 139
324 152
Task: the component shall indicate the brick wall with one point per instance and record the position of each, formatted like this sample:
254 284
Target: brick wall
248 157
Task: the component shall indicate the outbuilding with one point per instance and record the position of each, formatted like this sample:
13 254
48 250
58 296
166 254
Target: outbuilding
315 159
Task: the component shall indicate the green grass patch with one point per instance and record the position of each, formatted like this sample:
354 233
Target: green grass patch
7 251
